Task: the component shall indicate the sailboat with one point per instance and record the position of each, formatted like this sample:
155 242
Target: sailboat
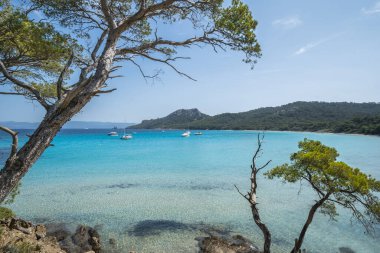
126 136
186 134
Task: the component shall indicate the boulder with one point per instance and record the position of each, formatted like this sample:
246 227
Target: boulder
21 236
226 244
84 239
40 231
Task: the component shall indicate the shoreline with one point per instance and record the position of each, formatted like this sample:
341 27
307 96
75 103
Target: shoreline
222 130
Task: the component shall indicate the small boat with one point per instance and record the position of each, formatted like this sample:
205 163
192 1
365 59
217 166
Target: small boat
126 137
198 133
186 134
113 134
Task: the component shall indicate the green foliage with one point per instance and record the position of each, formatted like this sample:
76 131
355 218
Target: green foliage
236 23
32 50
22 247
6 213
298 116
334 181
360 125
179 117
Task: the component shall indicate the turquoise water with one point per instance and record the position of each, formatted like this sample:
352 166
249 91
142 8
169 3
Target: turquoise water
159 191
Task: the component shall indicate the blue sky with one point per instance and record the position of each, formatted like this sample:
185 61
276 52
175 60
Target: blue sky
312 51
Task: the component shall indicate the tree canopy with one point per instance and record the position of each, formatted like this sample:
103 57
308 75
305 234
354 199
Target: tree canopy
334 182
31 53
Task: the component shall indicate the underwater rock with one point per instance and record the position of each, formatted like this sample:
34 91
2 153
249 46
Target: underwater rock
224 244
112 241
346 250
156 227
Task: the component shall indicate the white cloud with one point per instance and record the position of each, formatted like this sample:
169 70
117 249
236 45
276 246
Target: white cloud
373 10
312 45
306 48
288 23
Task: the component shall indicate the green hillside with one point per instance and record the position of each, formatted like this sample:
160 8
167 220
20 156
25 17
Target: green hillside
179 119
299 116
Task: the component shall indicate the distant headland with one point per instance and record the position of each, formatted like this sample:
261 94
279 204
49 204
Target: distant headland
337 117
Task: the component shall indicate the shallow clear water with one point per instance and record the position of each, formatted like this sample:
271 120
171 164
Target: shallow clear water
159 191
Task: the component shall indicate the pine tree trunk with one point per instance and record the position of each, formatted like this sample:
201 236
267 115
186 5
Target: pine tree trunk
19 164
313 210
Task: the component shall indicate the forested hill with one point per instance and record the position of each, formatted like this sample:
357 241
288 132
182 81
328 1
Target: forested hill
298 116
179 119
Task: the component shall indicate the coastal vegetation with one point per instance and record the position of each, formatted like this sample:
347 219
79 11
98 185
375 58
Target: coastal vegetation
334 183
38 59
6 213
360 118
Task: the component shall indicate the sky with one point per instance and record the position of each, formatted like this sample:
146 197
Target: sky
318 50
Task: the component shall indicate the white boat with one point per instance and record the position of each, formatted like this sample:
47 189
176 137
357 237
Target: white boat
113 134
186 134
126 137
198 133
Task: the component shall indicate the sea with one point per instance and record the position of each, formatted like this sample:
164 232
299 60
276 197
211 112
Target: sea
159 191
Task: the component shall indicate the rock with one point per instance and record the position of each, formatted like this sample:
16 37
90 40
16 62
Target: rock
21 236
82 239
18 234
112 241
226 244
58 230
40 231
21 225
346 250
95 243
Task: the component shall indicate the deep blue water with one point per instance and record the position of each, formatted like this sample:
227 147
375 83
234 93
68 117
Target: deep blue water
158 191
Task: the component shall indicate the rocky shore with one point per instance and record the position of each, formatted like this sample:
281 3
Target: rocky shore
19 236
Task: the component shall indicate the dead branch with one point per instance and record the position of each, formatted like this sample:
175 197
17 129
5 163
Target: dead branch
251 195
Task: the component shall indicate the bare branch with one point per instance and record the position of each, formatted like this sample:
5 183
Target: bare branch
244 196
162 42
251 196
11 93
167 62
105 91
145 76
265 165
14 140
